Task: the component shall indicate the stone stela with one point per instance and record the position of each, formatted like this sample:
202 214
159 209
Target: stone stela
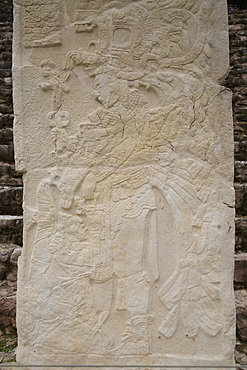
124 135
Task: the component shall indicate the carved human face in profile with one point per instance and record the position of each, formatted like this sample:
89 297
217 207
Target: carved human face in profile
106 90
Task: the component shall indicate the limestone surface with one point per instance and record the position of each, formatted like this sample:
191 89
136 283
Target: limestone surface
124 135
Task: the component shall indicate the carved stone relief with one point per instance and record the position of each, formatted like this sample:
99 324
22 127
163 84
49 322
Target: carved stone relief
125 137
41 23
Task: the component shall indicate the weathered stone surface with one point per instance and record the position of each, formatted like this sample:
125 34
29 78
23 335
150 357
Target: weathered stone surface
6 120
6 135
7 306
240 150
241 234
3 270
11 229
241 307
126 141
241 353
241 4
9 177
11 200
7 153
15 256
241 268
238 30
6 251
241 199
241 171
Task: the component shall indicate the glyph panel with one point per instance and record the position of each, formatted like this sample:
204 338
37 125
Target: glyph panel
124 135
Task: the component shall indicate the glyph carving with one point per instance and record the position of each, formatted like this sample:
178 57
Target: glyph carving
129 198
42 23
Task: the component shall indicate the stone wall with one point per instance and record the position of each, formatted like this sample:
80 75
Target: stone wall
11 185
10 190
237 82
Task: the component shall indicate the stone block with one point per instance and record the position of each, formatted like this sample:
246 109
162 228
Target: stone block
6 136
3 270
8 306
12 276
11 200
241 234
241 313
9 177
6 251
241 151
6 120
4 321
241 199
241 171
241 353
5 73
11 229
7 153
5 65
6 106
240 132
241 268
15 256
125 137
